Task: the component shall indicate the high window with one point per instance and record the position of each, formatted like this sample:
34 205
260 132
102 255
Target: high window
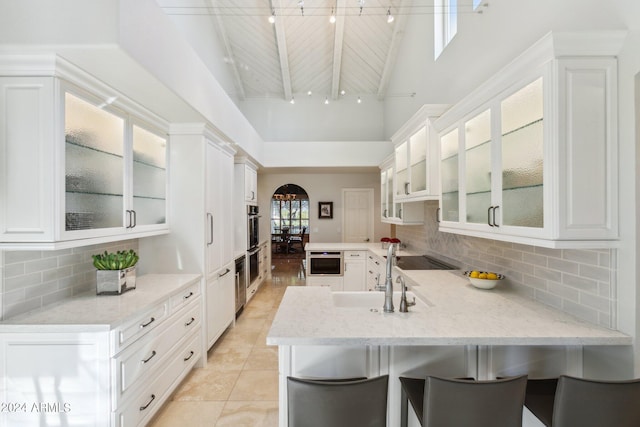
445 23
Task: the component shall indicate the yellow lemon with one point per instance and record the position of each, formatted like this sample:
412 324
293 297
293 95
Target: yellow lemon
474 274
482 276
492 276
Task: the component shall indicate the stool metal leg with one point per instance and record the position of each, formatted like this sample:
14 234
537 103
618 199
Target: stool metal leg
404 408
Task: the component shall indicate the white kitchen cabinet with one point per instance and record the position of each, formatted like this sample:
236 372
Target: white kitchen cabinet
355 271
245 194
202 238
112 374
531 156
220 306
250 185
393 211
333 282
417 163
263 262
79 169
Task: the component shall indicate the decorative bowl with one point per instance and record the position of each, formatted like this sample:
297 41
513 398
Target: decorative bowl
483 283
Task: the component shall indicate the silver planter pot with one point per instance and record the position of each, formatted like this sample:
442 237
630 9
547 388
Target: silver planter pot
115 282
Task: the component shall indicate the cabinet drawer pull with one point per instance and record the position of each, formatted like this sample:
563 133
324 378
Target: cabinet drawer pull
225 273
144 325
153 397
193 319
191 353
188 296
153 354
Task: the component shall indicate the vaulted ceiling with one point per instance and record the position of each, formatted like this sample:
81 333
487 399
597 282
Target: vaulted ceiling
300 50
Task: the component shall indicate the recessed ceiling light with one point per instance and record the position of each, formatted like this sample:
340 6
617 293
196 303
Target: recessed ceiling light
309 93
359 100
293 100
342 92
326 100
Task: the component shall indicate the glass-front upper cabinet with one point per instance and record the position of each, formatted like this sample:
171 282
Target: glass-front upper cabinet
115 170
449 165
523 157
478 169
94 165
149 177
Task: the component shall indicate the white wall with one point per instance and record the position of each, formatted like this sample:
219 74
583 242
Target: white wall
321 187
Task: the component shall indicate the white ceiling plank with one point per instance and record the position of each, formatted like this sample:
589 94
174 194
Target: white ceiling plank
281 42
222 33
337 48
398 30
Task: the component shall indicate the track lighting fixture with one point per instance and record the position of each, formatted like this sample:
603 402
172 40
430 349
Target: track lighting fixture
326 100
359 100
309 93
332 18
293 100
390 17
272 18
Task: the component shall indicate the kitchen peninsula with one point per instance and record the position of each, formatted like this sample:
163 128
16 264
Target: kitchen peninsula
458 330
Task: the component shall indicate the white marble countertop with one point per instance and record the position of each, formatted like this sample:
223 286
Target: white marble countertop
457 314
91 312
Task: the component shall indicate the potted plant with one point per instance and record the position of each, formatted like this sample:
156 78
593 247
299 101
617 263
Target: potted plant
116 272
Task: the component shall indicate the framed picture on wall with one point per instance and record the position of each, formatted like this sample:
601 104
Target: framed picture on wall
325 210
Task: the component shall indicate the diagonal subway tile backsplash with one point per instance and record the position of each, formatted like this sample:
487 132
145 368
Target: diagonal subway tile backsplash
579 282
33 279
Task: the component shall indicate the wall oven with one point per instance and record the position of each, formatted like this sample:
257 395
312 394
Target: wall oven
253 256
326 263
253 231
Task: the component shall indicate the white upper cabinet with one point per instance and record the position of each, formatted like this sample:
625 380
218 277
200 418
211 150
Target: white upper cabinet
416 156
531 156
78 165
392 210
250 185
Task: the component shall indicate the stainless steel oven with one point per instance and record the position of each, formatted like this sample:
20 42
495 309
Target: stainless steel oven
325 263
253 230
253 256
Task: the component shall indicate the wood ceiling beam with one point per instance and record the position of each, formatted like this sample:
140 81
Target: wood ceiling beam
398 30
338 42
222 33
281 43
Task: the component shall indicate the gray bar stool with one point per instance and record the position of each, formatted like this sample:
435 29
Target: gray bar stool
442 402
585 403
337 403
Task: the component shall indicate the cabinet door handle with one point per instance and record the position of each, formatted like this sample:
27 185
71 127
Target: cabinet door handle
253 195
128 218
135 219
153 354
191 353
226 271
188 296
438 215
384 214
489 216
193 319
144 325
210 221
153 397
400 213
406 188
495 208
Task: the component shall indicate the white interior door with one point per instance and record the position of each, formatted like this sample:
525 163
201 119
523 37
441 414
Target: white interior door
357 221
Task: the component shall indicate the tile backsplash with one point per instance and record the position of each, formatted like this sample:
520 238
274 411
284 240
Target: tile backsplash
33 279
579 282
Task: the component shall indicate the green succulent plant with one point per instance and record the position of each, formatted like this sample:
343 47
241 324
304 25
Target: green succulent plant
115 261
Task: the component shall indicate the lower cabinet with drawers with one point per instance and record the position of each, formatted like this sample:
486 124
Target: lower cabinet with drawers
61 368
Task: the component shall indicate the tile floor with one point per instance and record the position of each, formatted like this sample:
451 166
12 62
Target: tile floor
239 385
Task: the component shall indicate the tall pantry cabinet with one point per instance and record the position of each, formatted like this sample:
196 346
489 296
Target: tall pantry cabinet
201 238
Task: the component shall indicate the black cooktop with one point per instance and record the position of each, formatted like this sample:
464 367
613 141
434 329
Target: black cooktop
421 262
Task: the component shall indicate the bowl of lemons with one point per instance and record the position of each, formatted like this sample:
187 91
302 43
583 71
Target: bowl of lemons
483 279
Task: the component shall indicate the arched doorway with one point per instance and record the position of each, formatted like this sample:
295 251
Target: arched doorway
289 218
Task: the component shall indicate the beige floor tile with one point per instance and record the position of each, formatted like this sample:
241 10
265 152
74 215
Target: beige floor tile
262 358
256 385
207 384
254 414
228 357
191 414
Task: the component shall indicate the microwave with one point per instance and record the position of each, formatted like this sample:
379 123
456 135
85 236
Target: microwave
326 263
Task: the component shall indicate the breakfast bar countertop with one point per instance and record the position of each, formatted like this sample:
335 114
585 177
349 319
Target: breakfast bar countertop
456 314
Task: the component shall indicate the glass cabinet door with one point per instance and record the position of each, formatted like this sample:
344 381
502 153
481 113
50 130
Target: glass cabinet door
478 167
390 207
149 177
522 157
449 176
94 166
402 172
418 160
